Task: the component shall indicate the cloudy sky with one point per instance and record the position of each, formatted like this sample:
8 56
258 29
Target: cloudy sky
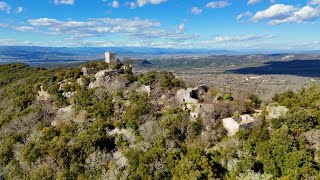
213 24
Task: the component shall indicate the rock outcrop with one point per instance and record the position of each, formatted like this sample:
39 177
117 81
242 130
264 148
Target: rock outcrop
145 88
191 98
43 95
102 78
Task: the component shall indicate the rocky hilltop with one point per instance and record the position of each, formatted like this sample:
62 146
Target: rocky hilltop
104 121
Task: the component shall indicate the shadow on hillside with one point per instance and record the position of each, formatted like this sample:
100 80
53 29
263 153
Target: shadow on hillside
306 68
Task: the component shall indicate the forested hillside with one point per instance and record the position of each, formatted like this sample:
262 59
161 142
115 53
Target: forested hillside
102 121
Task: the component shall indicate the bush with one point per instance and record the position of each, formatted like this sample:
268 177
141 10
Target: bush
147 78
163 80
255 102
227 97
139 106
299 120
6 149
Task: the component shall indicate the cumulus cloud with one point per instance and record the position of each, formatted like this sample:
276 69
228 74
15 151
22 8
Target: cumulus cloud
279 14
196 10
145 2
306 13
4 6
67 2
141 29
277 11
242 38
218 4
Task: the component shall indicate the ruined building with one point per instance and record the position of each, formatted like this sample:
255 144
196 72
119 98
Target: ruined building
191 99
233 125
110 57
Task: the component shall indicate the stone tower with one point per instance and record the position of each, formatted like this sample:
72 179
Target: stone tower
110 57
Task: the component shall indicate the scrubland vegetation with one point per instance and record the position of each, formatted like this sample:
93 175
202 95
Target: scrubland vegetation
116 131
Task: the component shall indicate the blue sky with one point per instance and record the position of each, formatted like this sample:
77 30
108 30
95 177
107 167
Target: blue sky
213 24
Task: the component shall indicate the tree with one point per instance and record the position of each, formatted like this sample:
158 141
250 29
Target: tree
194 165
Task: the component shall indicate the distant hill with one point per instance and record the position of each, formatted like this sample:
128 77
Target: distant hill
119 50
66 56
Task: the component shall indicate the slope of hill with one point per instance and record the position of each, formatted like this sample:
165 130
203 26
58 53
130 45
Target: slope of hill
102 121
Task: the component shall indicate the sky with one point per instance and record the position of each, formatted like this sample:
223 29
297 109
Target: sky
203 24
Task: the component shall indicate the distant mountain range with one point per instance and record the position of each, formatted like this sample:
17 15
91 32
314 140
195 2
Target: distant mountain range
52 56
122 51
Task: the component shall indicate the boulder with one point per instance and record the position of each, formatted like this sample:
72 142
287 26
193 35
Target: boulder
43 95
144 88
313 138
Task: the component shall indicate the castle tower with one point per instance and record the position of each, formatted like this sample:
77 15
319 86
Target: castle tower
110 57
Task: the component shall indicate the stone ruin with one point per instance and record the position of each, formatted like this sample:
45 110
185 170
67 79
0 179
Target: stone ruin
110 57
191 98
192 95
233 125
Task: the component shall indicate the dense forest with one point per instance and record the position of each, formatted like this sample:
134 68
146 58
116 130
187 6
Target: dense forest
74 123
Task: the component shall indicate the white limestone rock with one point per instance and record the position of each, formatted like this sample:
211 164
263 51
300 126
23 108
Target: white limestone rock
43 95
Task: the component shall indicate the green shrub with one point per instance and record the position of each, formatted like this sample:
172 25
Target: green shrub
227 97
255 102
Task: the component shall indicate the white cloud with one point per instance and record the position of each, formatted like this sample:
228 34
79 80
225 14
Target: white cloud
106 43
254 1
279 14
196 10
243 15
145 2
114 4
242 38
4 6
132 5
251 2
277 11
138 29
218 4
12 42
314 2
24 28
44 22
19 10
306 13
67 2
181 27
